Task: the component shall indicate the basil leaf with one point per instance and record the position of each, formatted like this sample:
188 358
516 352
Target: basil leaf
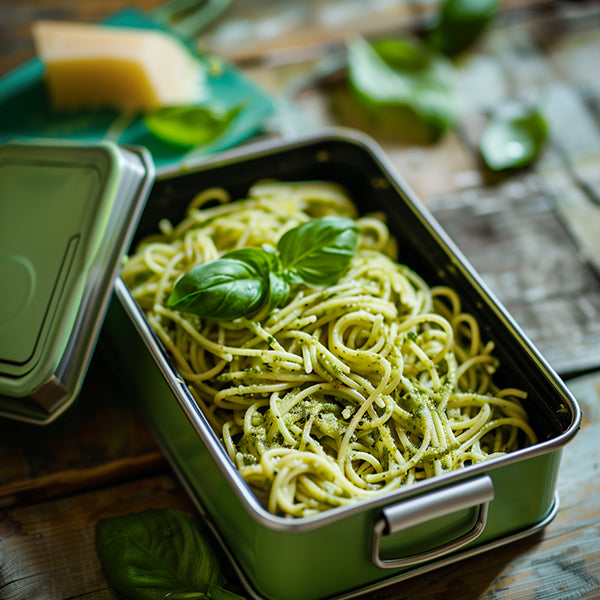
513 138
279 290
216 592
157 554
318 251
226 288
461 23
242 281
403 53
189 126
402 77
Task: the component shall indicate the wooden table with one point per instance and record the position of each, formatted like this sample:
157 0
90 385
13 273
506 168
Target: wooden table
101 461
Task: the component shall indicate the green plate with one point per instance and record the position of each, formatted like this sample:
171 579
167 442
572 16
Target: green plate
26 113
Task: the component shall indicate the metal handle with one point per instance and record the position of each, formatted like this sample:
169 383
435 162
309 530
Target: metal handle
415 511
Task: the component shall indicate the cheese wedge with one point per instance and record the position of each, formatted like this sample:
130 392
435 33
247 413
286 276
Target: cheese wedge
124 68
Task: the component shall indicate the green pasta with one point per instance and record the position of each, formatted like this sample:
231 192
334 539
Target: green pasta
344 393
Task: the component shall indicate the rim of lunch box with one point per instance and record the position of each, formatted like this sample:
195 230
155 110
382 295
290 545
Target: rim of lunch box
194 414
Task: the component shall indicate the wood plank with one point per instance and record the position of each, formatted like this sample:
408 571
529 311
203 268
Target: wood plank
293 31
515 239
101 439
47 551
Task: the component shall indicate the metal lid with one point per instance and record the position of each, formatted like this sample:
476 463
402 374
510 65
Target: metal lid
67 213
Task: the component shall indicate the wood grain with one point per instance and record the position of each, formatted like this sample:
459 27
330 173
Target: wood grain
47 551
102 440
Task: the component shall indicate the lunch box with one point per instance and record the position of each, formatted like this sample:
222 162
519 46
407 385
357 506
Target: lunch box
347 551
67 212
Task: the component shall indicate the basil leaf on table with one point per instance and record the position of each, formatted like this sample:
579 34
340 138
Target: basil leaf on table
513 138
226 288
318 251
157 555
461 23
189 126
216 592
242 281
400 82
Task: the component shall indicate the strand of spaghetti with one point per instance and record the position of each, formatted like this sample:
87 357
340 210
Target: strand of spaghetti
225 352
407 467
294 463
327 355
281 426
261 334
329 370
419 319
516 393
439 292
250 390
472 399
472 427
499 423
470 324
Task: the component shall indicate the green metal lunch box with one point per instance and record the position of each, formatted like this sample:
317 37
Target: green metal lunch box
67 211
347 551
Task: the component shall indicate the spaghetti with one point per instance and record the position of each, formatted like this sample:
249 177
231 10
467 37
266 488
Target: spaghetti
343 393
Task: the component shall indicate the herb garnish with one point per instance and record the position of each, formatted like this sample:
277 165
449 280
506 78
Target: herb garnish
513 138
190 126
158 555
241 282
460 23
402 82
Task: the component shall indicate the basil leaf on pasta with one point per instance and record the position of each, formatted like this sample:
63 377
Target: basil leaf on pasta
279 290
243 281
318 251
226 288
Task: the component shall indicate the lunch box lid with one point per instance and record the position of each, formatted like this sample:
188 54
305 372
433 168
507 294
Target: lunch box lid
68 211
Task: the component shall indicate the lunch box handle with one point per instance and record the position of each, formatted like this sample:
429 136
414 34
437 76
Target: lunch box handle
416 511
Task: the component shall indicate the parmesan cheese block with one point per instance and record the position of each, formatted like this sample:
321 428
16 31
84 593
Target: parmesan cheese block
124 68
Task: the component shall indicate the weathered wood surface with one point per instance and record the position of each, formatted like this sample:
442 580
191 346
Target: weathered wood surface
104 462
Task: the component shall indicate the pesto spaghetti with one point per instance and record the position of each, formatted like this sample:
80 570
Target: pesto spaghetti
341 392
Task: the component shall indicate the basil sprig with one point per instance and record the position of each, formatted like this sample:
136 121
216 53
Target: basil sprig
241 282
